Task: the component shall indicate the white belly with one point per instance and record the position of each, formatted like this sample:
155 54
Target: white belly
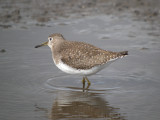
67 69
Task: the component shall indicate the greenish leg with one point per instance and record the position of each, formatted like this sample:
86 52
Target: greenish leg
89 83
83 81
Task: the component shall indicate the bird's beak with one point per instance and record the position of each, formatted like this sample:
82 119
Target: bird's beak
43 44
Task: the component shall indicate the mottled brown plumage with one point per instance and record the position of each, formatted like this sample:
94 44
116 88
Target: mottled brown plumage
81 55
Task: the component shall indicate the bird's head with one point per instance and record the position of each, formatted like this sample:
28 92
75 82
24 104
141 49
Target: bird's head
52 40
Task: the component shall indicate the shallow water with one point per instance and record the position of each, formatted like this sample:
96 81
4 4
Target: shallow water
32 88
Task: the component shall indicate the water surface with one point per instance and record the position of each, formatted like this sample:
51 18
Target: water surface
32 88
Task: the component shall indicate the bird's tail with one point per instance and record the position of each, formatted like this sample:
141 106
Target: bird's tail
123 53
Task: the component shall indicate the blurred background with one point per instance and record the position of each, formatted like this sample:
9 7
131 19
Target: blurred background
40 12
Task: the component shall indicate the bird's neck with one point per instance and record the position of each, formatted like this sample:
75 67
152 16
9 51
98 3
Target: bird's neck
56 49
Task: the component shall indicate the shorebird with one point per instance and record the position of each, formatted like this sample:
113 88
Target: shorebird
79 58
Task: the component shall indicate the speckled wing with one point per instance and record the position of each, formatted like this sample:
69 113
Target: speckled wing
81 55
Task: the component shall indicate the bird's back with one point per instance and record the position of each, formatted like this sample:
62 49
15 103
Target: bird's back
84 56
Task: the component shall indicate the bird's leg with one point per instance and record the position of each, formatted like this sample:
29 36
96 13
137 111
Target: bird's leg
83 87
89 83
83 81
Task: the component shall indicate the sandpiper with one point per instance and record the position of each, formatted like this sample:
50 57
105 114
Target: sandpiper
79 58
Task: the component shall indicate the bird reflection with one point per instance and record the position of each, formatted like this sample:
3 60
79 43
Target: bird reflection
82 105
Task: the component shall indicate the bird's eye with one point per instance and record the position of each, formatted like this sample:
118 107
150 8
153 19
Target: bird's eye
50 38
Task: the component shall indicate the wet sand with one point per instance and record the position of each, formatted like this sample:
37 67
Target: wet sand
32 88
